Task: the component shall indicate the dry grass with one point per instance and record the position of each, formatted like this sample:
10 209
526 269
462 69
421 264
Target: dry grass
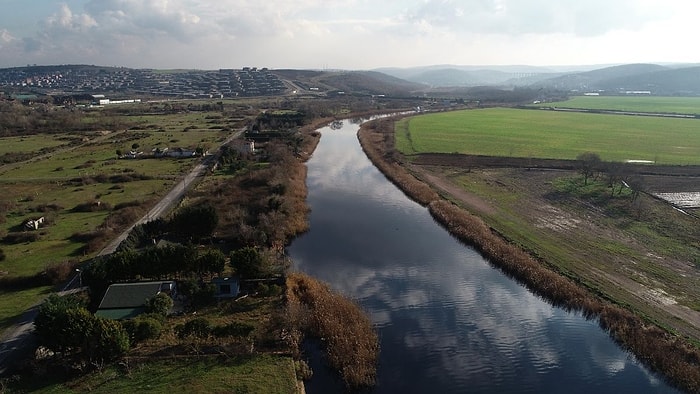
672 356
351 342
377 140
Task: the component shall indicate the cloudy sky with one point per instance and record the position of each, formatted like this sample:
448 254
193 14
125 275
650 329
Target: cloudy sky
346 34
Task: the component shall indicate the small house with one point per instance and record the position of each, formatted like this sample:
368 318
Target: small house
127 300
228 287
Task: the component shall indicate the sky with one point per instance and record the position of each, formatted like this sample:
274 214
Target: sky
349 34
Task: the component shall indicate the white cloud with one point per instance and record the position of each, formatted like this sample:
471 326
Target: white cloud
347 33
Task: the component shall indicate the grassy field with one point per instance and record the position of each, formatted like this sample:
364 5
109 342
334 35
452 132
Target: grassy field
674 105
34 143
80 169
253 374
547 134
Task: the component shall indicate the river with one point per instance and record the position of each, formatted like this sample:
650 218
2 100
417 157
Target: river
448 322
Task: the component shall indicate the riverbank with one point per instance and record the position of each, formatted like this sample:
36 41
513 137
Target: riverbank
670 355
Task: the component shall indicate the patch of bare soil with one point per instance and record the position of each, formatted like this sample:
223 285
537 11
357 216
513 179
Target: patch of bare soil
580 240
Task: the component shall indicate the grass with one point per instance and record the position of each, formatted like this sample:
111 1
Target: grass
15 303
547 134
82 156
650 104
246 374
33 143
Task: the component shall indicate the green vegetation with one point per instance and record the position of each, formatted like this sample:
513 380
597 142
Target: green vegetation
242 374
61 165
649 104
548 134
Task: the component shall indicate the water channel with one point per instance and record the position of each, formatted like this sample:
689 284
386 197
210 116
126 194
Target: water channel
448 322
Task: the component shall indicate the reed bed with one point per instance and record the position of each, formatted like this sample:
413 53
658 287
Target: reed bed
351 343
377 140
675 358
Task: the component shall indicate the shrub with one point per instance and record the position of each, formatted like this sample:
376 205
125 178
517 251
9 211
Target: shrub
160 304
143 328
18 238
92 206
134 203
234 329
59 272
198 327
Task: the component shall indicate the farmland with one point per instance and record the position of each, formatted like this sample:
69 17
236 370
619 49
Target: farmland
665 105
59 174
548 134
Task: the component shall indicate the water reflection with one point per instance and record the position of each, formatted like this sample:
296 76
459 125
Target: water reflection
448 322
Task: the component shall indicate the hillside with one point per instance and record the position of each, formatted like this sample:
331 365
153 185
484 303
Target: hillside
600 79
658 79
453 75
370 82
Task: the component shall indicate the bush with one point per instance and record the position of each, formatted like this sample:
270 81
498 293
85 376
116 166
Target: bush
143 328
59 272
19 238
160 304
92 206
198 328
234 329
134 203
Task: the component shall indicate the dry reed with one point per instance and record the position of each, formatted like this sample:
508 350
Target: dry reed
351 343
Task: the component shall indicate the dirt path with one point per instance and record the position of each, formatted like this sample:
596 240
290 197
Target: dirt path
444 186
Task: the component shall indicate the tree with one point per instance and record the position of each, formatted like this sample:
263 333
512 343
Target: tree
248 262
135 146
159 304
212 261
107 340
55 322
589 163
64 325
195 221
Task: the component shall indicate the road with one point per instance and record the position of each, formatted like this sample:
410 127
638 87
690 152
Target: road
17 340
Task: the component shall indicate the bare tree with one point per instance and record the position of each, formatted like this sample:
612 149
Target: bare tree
589 163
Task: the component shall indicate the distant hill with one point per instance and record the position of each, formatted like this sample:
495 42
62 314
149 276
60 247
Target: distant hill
451 75
684 81
600 79
362 82
671 79
371 82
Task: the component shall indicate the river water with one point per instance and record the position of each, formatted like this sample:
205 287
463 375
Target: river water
448 322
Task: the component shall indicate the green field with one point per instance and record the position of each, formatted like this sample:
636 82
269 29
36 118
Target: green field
34 143
255 374
78 170
651 104
550 134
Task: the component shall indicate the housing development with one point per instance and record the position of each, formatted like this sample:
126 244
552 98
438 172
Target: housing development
68 80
